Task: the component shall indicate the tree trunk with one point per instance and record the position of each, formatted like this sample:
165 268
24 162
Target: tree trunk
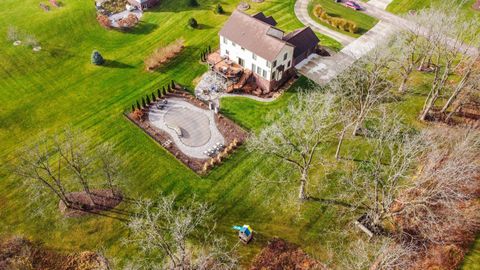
403 85
356 128
302 193
428 107
340 142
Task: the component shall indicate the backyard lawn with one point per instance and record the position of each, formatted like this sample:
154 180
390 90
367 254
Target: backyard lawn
40 93
43 92
363 21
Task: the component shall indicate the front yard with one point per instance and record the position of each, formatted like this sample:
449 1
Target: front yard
363 21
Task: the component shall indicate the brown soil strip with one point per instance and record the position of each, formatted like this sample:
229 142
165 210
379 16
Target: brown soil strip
279 254
84 204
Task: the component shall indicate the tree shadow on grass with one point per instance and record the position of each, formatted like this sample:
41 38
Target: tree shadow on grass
142 28
116 64
333 202
203 26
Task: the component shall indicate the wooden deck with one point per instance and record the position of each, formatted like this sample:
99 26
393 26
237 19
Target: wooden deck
225 67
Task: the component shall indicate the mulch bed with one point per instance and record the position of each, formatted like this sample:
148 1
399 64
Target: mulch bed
476 5
227 128
281 255
20 253
467 117
83 204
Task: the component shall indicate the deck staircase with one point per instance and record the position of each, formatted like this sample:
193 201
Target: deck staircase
241 83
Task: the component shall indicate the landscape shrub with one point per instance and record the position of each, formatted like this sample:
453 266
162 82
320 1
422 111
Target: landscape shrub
97 58
340 23
130 21
192 23
164 54
104 21
114 6
193 3
219 9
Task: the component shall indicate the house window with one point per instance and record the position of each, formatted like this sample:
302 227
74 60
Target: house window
275 63
254 67
233 44
225 40
289 62
265 74
227 52
273 75
285 56
254 56
259 70
241 62
243 49
268 64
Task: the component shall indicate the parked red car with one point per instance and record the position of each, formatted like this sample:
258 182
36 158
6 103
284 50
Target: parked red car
353 5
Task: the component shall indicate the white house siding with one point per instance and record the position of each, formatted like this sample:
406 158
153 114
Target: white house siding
280 61
236 51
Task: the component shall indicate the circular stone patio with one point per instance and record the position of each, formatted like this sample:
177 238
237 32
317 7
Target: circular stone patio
197 126
194 126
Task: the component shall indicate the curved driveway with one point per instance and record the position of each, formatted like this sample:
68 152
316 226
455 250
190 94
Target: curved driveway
301 11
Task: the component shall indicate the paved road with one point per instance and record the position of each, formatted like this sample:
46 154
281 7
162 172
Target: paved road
323 69
301 11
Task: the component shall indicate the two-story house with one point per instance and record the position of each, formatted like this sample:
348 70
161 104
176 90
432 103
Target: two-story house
254 43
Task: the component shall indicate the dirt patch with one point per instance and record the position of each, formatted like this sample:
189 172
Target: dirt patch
279 254
476 5
229 130
84 204
467 117
20 253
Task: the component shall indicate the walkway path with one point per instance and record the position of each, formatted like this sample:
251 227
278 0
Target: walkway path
301 11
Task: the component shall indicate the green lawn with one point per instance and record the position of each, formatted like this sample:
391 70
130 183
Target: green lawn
43 92
403 6
363 21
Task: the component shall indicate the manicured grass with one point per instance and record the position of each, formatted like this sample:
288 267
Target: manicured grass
46 91
43 92
404 6
363 21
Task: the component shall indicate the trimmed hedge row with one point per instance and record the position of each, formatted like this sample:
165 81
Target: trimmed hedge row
340 23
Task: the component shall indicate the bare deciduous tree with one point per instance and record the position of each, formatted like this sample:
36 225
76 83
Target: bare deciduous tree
12 34
298 133
110 165
408 53
377 181
59 164
448 42
164 229
364 86
448 178
72 148
38 168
